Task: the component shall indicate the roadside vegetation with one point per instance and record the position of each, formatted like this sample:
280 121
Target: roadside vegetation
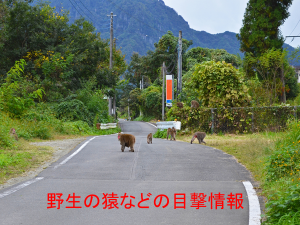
54 82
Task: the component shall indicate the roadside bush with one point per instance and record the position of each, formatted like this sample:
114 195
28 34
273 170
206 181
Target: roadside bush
5 125
73 110
219 84
283 204
283 175
16 94
285 160
160 134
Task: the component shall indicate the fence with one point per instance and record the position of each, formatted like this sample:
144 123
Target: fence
238 120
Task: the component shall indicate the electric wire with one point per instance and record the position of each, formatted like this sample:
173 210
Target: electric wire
86 14
295 27
81 10
130 15
293 31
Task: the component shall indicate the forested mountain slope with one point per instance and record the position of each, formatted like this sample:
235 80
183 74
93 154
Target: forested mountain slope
138 24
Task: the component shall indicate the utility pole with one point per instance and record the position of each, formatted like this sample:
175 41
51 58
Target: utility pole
114 103
111 57
283 96
141 89
163 93
179 83
128 111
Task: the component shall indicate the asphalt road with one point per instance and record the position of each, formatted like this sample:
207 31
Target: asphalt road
162 177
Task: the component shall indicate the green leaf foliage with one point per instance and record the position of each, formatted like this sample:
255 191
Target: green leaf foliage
219 84
260 30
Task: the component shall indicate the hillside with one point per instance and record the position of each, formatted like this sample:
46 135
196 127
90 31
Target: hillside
138 24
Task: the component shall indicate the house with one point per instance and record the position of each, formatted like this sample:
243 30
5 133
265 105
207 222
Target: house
297 69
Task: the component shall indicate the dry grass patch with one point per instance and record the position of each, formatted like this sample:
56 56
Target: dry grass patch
22 158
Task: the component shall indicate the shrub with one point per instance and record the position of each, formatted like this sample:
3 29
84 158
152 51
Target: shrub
283 204
73 110
219 85
160 134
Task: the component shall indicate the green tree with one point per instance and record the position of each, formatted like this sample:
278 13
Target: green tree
274 72
260 30
150 65
58 54
15 95
151 100
198 55
218 84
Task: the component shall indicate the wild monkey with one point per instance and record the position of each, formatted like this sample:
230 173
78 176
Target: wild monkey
13 134
172 132
126 140
194 104
149 138
179 105
200 136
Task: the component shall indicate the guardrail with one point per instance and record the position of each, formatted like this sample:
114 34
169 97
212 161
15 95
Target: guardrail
105 126
168 124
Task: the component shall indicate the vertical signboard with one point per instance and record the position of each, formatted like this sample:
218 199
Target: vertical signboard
169 90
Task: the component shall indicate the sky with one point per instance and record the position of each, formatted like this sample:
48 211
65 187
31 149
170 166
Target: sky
218 16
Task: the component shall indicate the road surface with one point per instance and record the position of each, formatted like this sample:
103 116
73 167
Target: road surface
167 182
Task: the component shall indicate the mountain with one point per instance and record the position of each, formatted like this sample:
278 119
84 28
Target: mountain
138 24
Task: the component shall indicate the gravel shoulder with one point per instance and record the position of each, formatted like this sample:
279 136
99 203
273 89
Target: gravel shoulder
60 148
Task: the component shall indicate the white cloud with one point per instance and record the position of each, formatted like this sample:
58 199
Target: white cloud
218 16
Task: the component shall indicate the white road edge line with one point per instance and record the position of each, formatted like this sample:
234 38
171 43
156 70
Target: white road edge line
152 124
254 206
75 153
12 190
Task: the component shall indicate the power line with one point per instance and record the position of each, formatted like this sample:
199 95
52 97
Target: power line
87 9
75 8
96 16
295 27
81 10
136 18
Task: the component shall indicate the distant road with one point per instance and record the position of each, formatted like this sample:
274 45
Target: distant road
159 183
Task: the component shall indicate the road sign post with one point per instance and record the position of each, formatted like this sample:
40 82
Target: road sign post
169 90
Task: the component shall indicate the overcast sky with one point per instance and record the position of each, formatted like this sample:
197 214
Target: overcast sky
218 16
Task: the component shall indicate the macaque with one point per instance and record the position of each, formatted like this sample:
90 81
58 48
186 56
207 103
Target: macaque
149 138
13 134
200 136
194 104
172 132
98 125
126 140
180 105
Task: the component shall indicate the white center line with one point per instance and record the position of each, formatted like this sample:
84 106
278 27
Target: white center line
132 176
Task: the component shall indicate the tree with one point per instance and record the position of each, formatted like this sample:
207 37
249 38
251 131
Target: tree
58 54
273 70
198 55
260 30
151 99
165 51
218 84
